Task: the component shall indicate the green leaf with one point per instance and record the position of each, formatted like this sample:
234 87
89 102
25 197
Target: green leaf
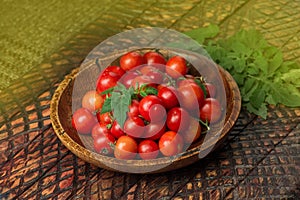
292 77
201 86
258 97
286 94
151 90
109 90
275 61
238 47
239 65
120 100
248 88
270 100
262 64
252 69
145 90
106 106
239 78
201 34
261 111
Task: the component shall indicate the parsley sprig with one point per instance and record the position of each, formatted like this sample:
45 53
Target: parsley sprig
258 68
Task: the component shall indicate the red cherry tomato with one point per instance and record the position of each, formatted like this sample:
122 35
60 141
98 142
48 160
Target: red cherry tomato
211 110
183 82
178 119
131 60
128 78
176 67
134 108
151 109
92 101
155 130
193 131
83 121
134 127
103 144
152 68
170 143
138 81
168 96
148 149
154 57
114 70
211 90
106 81
191 97
116 130
156 77
104 118
126 148
146 69
100 128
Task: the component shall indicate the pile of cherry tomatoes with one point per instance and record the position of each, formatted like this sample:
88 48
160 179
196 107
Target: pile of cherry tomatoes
166 113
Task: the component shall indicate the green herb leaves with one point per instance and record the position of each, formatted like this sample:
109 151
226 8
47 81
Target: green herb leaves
120 100
203 33
257 67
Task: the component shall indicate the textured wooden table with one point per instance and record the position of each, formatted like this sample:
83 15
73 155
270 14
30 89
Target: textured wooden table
260 159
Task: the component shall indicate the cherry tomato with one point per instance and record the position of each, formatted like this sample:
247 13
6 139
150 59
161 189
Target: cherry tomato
146 69
134 127
183 82
211 110
154 57
92 101
151 108
100 128
168 96
83 121
109 78
148 149
152 68
104 118
211 90
138 81
131 60
114 70
126 148
155 130
161 86
178 119
193 132
106 81
156 77
191 97
103 144
128 78
170 143
116 130
134 108
176 67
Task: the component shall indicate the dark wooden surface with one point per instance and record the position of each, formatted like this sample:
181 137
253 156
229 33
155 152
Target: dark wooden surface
260 159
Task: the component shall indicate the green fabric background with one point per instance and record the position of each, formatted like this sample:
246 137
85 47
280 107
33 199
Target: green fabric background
33 30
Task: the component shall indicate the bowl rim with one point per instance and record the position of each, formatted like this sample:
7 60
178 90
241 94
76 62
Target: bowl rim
98 159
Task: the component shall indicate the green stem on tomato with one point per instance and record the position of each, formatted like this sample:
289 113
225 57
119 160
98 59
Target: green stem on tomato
204 124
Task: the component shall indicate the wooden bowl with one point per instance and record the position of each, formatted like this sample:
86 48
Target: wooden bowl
62 105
